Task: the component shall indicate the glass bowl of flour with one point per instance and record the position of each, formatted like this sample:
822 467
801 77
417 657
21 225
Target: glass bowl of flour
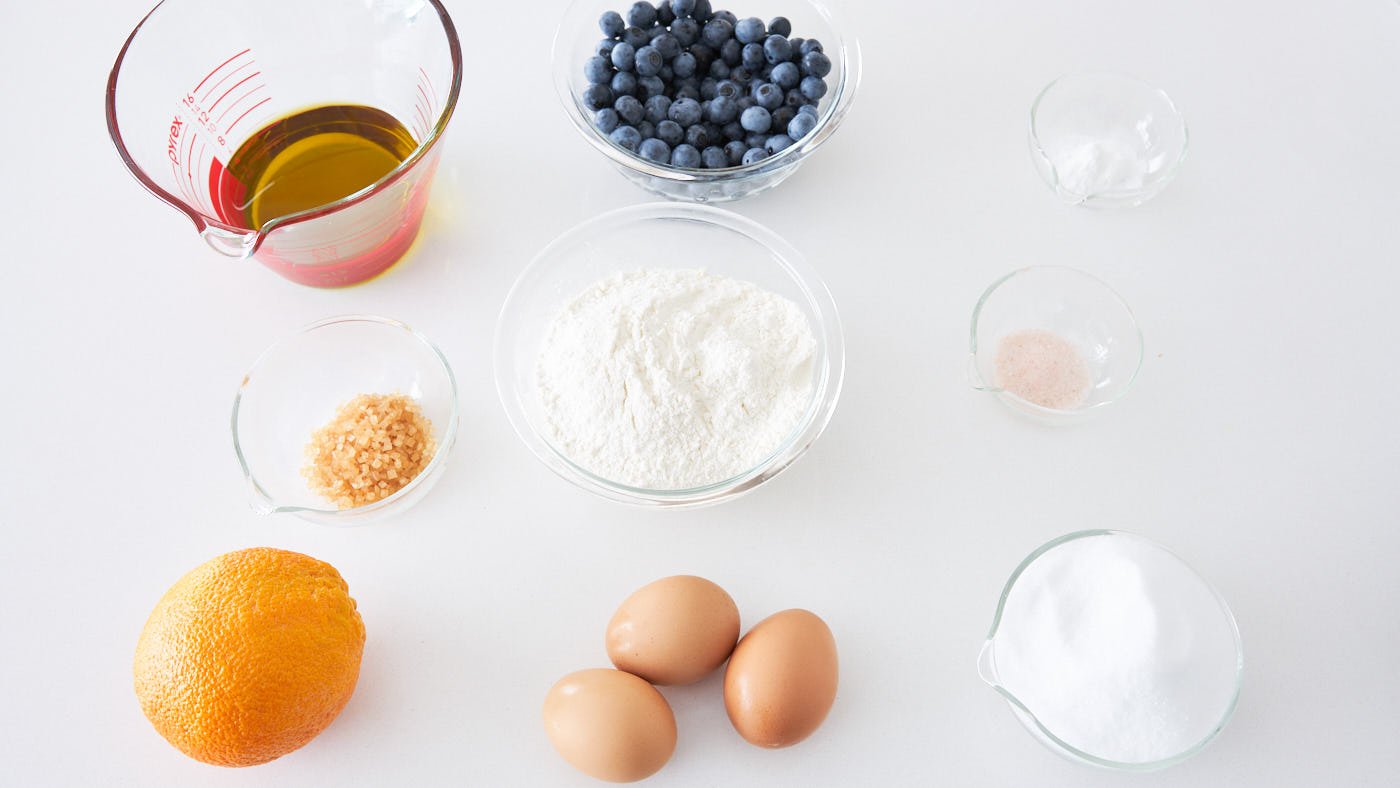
669 355
1112 651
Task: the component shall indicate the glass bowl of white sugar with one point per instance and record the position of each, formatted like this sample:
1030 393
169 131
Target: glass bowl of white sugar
669 355
1112 651
1105 139
1054 343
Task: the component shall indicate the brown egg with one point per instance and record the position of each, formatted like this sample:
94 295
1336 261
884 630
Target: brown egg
674 631
781 680
610 725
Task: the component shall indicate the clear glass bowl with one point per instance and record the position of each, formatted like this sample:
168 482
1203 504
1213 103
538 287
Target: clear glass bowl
578 35
1077 307
1194 654
1106 139
695 237
294 388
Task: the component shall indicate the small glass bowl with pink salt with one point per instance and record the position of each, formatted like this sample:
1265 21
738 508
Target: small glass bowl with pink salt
1054 344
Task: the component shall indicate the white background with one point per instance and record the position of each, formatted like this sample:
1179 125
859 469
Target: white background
1260 441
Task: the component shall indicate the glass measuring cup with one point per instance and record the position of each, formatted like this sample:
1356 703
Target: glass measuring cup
196 79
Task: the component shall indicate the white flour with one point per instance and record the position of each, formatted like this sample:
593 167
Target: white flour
669 379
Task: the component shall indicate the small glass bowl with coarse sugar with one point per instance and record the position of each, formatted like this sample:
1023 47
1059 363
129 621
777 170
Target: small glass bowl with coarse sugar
694 102
345 422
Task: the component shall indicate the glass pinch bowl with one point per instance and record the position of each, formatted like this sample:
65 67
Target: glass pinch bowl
1073 305
1106 139
696 237
1113 652
578 36
294 388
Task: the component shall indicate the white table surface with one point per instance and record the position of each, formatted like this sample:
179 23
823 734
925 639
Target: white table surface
1260 441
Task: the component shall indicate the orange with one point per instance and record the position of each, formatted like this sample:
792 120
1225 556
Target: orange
249 656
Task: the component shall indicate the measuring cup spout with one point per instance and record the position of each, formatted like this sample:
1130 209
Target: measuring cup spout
987 666
228 242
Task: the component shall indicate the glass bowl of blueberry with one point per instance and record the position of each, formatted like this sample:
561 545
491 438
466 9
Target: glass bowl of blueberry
701 104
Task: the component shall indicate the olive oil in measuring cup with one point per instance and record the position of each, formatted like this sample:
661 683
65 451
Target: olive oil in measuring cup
312 158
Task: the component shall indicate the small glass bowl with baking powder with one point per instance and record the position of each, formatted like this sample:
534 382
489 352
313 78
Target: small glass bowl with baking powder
294 388
1105 139
694 237
1078 309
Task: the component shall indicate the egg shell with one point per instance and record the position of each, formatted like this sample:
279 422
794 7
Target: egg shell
781 679
610 725
676 630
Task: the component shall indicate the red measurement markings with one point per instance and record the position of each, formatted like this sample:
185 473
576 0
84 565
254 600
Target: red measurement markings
244 115
211 74
429 82
224 79
236 86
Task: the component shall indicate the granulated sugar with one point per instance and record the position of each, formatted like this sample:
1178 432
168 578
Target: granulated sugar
674 379
1118 648
1043 368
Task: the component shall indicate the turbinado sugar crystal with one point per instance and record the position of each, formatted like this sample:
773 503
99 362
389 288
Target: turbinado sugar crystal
1042 368
374 446
1118 648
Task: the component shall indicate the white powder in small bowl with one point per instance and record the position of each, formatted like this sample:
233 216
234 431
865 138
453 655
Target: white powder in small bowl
1042 368
675 379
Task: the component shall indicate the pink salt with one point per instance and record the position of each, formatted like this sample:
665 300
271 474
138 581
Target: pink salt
1043 368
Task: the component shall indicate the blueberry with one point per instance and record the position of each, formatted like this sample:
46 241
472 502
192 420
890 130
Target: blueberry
649 61
811 45
597 70
756 119
796 46
646 129
684 65
655 150
712 157
777 49
755 140
794 99
611 23
709 88
719 69
745 101
753 56
732 130
734 151
686 31
670 132
665 14
624 56
778 143
716 32
787 75
630 110
651 86
687 92
731 52
627 137
728 88
813 88
683 8
657 108
704 56
667 45
816 64
801 125
723 109
703 11
780 26
605 48
624 84
667 75
750 31
595 97
807 109
726 16
687 156
606 119
685 112
768 95
698 136
782 116
741 74
641 15
753 155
